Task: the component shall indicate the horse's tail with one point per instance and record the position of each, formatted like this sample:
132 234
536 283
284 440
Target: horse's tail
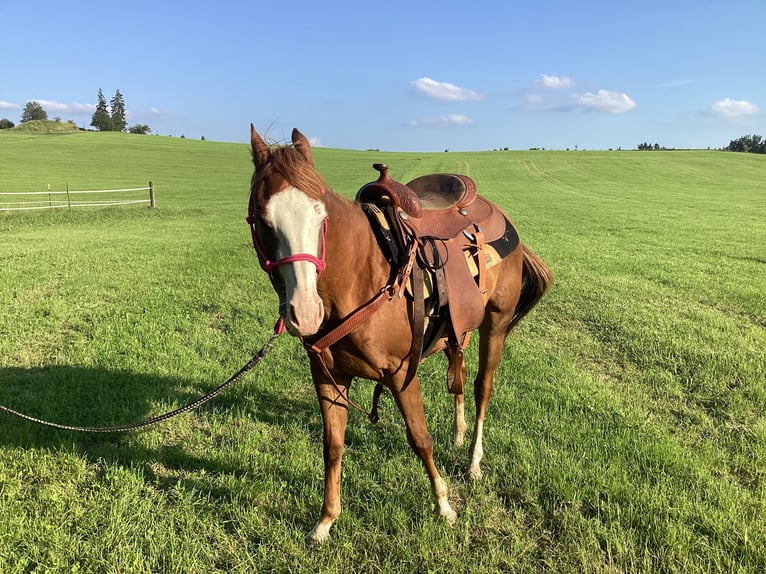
536 278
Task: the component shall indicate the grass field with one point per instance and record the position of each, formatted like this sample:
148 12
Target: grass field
626 433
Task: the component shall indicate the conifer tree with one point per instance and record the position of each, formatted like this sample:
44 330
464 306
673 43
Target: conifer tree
101 119
117 105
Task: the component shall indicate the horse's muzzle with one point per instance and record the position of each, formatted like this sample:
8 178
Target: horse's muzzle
304 314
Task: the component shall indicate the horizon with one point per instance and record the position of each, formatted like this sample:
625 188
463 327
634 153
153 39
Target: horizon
371 150
413 77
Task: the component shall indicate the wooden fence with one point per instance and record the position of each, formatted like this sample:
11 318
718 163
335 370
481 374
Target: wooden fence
17 200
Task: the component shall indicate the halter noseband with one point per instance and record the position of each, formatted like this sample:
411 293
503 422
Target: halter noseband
270 264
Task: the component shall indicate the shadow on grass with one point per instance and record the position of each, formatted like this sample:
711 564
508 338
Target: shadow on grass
93 397
101 397
76 396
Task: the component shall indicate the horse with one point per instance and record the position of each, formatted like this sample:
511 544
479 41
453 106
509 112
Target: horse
332 277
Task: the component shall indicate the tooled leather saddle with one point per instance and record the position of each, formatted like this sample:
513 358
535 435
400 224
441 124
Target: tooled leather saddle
452 235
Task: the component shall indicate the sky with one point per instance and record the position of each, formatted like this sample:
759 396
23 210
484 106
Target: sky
416 75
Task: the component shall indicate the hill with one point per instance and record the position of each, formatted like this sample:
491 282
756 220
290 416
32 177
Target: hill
45 127
626 431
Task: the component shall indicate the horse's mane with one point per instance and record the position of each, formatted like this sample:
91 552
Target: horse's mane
291 164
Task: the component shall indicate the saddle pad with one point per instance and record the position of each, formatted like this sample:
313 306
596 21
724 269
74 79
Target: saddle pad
381 227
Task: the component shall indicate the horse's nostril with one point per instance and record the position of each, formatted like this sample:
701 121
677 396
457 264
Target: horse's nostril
294 316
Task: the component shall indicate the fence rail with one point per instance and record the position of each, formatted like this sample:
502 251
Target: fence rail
53 201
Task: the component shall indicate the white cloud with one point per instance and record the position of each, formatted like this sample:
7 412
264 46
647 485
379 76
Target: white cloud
442 121
728 108
315 142
9 106
85 108
606 101
51 107
445 90
557 82
458 119
58 107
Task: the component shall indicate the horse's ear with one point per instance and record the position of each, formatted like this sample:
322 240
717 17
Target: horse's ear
302 145
261 153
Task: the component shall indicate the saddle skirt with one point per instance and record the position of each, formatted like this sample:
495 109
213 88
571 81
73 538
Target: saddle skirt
457 235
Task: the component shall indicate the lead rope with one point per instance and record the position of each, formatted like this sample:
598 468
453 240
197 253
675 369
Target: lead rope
163 417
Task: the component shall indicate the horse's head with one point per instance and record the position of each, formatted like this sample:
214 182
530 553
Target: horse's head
287 217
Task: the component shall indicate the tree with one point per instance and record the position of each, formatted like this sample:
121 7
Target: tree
101 119
139 129
33 111
5 124
649 147
118 112
752 144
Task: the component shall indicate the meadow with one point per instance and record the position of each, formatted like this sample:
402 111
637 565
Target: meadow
626 432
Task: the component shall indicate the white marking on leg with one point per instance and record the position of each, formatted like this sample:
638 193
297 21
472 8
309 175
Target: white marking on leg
442 501
460 426
320 533
477 452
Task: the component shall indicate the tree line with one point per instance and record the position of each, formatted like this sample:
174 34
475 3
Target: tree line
109 117
649 147
751 144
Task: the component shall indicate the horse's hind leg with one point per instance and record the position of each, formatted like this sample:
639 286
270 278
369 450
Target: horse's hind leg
492 335
410 403
460 425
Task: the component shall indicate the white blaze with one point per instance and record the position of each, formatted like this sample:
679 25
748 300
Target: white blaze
297 221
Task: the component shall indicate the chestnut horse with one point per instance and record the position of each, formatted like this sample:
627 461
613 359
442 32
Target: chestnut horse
325 263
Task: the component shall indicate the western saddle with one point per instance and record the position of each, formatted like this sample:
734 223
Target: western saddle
450 235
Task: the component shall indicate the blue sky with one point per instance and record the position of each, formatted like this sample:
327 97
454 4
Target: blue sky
396 75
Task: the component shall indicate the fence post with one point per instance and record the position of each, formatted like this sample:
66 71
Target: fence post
151 195
68 199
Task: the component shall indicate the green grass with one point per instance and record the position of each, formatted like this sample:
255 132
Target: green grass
626 432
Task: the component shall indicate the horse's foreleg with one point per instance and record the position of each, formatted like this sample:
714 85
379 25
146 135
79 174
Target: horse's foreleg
334 408
410 403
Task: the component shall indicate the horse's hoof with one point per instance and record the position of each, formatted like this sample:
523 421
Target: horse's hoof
473 473
444 509
319 534
450 516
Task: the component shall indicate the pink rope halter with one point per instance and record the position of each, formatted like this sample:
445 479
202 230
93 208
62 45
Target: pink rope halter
270 264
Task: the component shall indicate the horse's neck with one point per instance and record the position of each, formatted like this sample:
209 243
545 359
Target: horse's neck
355 262
348 228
